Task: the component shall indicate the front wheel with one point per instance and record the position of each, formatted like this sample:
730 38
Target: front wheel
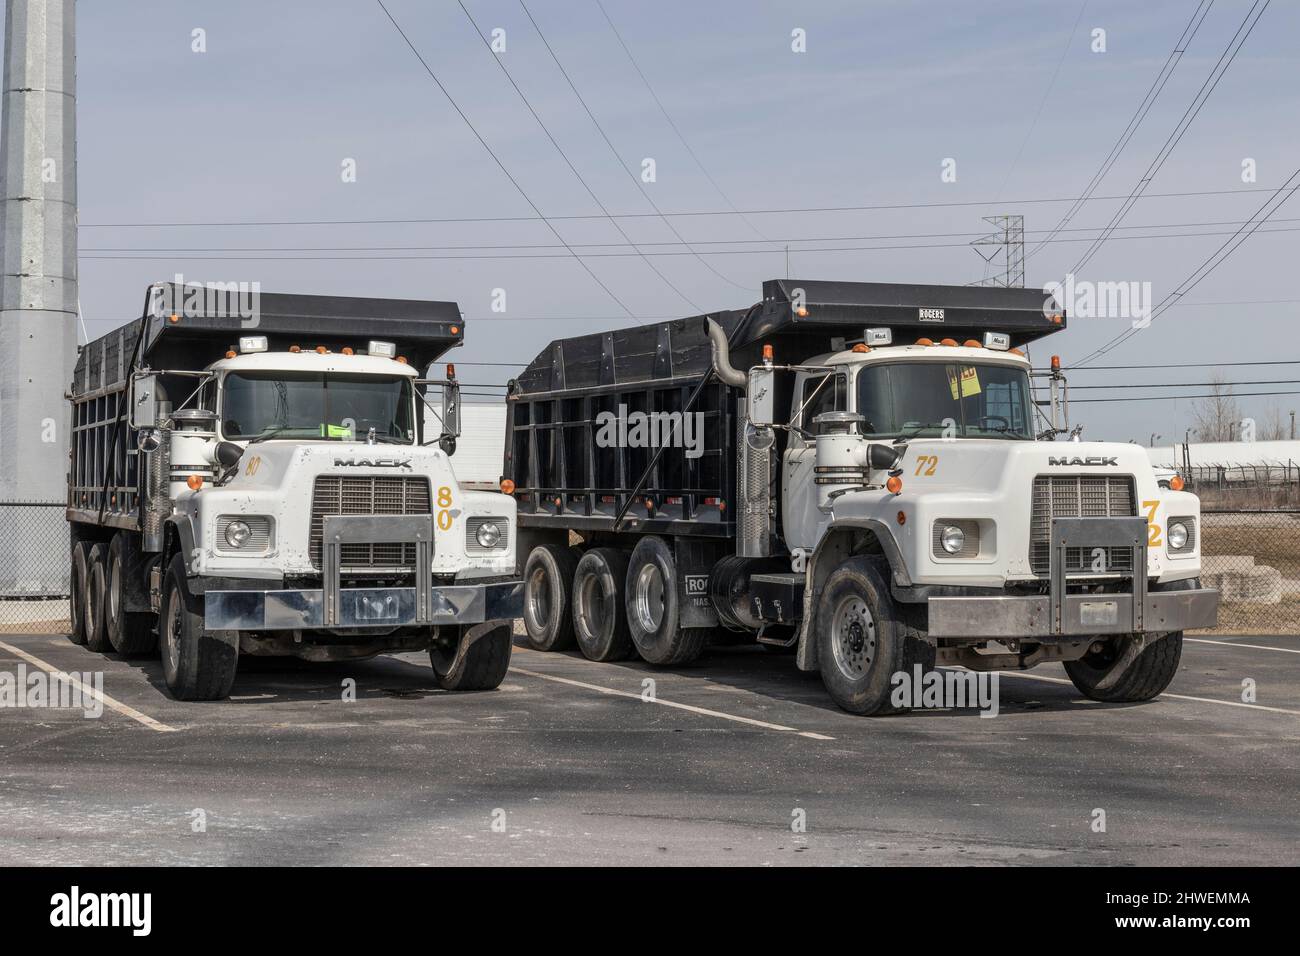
863 639
1122 672
481 665
197 664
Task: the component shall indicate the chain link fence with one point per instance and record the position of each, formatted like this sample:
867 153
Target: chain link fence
1244 487
34 568
1253 558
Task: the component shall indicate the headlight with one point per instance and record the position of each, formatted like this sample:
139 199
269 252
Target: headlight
488 534
238 533
1177 535
952 539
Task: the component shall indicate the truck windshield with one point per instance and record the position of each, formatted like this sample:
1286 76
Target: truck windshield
934 399
331 407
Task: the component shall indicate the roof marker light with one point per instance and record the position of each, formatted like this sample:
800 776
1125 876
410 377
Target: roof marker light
948 342
924 342
972 344
861 348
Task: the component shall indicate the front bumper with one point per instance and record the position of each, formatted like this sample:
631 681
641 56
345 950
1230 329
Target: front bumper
377 608
1060 614
1081 615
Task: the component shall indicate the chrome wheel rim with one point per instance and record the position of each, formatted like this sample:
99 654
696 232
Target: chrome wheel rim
539 598
114 590
172 633
593 607
648 598
853 637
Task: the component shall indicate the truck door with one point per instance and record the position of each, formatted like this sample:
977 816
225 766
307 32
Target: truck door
800 517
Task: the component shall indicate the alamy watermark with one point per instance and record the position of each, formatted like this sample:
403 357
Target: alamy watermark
946 690
58 690
624 429
1084 299
230 300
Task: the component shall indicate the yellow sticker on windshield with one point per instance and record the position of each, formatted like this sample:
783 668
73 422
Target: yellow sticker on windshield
970 382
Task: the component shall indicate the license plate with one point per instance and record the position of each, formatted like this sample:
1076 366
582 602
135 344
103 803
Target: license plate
1099 612
375 608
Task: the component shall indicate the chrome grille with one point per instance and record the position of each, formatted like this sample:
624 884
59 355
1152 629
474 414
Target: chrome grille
1079 496
367 495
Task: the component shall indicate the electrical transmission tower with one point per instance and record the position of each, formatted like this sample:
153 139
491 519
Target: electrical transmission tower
1009 243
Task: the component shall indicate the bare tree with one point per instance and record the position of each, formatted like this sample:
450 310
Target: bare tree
1272 427
1217 417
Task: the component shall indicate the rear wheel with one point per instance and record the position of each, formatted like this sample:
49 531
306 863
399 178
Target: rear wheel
77 592
653 612
483 664
863 639
93 601
599 622
1120 671
197 664
130 632
548 578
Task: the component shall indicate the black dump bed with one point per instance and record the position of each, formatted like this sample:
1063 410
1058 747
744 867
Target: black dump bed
565 477
205 326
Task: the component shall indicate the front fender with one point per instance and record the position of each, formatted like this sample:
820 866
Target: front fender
844 538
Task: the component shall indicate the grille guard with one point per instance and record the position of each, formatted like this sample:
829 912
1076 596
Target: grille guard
1062 616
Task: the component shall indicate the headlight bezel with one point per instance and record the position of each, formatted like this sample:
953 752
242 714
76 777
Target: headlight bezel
259 539
1188 524
967 533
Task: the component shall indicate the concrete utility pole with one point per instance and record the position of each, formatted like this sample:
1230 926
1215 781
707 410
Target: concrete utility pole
38 284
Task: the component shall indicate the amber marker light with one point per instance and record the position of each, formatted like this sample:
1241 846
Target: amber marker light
507 486
894 485
195 482
1176 483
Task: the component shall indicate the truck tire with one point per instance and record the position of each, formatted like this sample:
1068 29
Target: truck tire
599 622
1114 675
93 600
548 579
77 592
652 609
863 639
484 664
130 632
197 664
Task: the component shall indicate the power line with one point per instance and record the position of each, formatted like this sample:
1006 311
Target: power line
638 253
681 138
456 106
606 245
454 220
568 162
1114 368
1174 398
600 129
1166 71
1210 264
1276 381
1190 114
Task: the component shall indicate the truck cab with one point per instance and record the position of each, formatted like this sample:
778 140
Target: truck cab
267 488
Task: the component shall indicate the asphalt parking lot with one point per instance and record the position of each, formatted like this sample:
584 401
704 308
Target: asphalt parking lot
566 764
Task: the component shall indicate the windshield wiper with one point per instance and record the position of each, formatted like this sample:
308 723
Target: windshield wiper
918 430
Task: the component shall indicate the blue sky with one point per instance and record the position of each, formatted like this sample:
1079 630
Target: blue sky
259 125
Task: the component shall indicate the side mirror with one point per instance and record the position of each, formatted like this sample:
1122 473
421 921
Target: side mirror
228 454
451 412
144 401
760 395
881 457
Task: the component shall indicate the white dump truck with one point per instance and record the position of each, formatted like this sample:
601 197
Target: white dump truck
253 478
866 486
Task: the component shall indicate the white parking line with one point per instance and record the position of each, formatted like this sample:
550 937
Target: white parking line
669 703
1199 700
1258 647
111 703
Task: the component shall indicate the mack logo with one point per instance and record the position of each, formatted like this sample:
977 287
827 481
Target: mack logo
372 463
1094 462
